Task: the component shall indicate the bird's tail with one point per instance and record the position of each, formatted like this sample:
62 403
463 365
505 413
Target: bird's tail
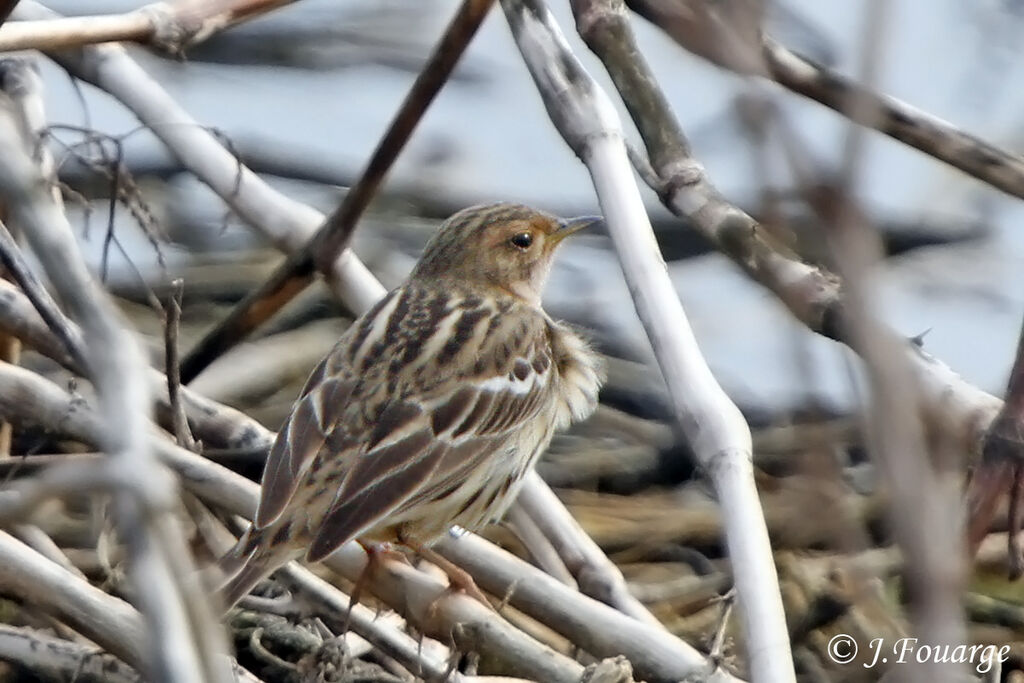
244 566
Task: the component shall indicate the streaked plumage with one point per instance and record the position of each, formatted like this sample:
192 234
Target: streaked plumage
431 407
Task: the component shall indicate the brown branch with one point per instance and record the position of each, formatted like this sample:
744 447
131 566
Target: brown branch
18 269
172 317
690 28
1000 468
167 26
812 294
6 7
331 239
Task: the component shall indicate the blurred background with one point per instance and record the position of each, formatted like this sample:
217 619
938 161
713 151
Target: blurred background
303 95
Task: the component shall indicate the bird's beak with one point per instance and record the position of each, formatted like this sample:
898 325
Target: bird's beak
568 226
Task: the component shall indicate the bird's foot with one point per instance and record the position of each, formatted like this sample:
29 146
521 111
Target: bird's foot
459 580
376 555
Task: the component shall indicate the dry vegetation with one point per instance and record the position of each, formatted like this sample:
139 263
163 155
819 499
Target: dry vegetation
648 554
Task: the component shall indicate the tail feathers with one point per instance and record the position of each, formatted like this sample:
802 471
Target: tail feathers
244 566
238 586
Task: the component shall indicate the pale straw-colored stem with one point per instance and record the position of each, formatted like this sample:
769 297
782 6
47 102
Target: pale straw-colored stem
720 438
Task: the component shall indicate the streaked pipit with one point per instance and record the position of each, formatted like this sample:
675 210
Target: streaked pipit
431 407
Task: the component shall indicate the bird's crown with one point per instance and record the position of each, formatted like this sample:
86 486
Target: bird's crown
505 247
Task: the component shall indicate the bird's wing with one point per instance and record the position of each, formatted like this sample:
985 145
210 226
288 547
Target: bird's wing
302 437
424 447
316 414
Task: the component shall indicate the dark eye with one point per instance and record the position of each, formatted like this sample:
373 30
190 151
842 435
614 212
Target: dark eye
523 240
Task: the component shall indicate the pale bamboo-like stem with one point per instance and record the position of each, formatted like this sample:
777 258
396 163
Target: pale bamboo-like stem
169 26
145 490
59 659
924 508
595 574
423 599
286 223
106 620
654 653
720 438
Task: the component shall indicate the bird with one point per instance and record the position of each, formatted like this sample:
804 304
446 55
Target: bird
432 407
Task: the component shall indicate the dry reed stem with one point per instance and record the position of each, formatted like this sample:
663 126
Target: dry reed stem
288 224
145 490
718 434
167 26
423 599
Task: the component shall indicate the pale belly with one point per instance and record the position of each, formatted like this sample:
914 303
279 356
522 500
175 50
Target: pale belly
484 496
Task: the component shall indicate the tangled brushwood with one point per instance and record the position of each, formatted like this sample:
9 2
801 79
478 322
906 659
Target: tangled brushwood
229 467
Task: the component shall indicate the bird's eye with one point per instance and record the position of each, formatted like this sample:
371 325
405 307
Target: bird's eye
523 240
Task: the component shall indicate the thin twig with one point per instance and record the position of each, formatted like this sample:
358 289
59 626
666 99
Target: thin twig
321 252
43 303
172 317
114 360
286 223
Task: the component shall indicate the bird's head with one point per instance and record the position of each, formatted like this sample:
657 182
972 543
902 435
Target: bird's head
508 247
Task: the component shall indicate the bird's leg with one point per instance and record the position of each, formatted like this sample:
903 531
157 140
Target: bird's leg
458 578
375 555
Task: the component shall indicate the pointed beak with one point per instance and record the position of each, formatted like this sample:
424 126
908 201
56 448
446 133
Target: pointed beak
568 226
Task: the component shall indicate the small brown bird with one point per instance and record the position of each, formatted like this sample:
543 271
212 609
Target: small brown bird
431 407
